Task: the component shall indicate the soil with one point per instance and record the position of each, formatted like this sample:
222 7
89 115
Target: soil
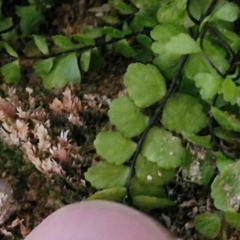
35 194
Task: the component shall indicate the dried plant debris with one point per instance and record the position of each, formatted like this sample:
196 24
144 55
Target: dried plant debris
7 204
52 132
32 124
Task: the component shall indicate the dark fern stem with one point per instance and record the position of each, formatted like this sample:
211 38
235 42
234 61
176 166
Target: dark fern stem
215 141
161 104
152 121
208 12
99 43
233 58
8 8
221 42
234 68
196 21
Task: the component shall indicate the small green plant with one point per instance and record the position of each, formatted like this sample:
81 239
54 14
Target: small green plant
193 85
58 60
